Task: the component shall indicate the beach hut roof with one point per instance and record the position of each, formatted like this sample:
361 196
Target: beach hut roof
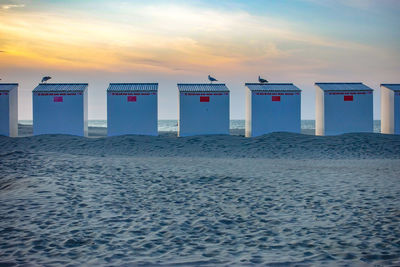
6 87
126 87
392 86
272 87
343 86
61 87
202 87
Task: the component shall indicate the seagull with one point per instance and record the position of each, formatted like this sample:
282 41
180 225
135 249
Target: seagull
212 79
45 79
261 80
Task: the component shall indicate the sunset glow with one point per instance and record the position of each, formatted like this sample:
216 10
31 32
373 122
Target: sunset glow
298 41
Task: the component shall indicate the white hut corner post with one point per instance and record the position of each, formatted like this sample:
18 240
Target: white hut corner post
9 109
272 107
343 108
60 108
390 108
132 109
203 109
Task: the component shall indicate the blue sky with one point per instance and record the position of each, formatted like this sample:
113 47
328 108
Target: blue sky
300 41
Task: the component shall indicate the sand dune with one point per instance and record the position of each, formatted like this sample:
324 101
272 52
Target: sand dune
273 146
280 199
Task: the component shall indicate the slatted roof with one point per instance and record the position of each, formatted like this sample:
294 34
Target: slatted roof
6 87
392 86
272 87
61 87
126 87
202 87
343 87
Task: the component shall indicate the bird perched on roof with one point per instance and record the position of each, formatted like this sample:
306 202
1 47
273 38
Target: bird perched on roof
45 79
261 80
212 79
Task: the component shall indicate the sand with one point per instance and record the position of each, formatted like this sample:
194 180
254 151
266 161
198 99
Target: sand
271 146
280 199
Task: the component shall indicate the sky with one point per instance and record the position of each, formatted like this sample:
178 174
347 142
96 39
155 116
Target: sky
170 42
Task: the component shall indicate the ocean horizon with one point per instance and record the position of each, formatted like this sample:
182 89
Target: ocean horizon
172 125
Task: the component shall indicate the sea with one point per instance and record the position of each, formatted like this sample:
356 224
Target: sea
172 125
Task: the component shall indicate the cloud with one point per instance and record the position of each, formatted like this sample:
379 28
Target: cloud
359 4
161 38
10 6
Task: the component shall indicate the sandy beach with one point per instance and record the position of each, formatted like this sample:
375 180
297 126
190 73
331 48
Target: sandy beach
279 199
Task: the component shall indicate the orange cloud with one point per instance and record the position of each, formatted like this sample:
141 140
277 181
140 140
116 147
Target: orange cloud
166 38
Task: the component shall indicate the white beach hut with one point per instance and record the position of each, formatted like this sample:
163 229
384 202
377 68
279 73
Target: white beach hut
343 108
9 109
132 108
390 108
272 107
60 108
203 109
